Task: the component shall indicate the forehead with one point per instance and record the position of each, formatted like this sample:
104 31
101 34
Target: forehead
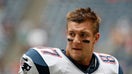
84 26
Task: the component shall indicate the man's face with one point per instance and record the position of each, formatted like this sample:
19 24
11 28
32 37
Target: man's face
78 35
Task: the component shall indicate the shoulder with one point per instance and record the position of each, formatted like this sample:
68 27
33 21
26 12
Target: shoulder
108 63
34 54
45 51
43 54
41 51
106 58
36 59
47 56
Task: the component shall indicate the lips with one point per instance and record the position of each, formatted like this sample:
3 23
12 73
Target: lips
76 48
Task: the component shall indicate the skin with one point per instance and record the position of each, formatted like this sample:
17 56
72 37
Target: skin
78 50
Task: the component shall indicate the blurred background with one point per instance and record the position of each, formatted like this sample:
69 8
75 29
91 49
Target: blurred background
27 23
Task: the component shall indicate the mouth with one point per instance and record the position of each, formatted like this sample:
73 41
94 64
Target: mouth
76 48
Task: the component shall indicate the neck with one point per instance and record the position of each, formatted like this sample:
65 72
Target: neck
86 61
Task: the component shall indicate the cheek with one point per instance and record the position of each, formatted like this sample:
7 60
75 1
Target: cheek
89 46
92 40
69 44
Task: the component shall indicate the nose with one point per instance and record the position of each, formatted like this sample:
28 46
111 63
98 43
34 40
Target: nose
77 39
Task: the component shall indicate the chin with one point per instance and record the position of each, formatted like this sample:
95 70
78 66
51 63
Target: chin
76 57
77 53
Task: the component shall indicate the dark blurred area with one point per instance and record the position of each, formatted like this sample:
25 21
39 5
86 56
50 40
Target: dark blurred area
28 23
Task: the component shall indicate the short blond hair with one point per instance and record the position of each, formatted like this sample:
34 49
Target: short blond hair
84 14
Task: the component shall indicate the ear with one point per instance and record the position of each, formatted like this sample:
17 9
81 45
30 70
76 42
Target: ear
97 36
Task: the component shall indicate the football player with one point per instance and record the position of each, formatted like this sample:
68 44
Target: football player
79 56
